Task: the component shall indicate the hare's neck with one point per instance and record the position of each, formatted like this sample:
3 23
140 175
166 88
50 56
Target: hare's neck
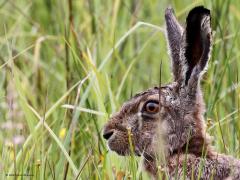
196 148
199 145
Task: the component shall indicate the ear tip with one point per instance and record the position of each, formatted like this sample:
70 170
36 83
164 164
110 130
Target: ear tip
196 15
199 10
169 11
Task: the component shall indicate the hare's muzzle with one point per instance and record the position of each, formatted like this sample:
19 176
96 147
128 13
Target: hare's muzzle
107 133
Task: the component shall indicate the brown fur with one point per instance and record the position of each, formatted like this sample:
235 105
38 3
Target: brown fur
172 138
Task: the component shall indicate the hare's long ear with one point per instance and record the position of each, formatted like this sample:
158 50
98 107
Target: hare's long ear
174 36
195 47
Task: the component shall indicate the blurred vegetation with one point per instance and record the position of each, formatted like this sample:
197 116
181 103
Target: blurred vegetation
66 65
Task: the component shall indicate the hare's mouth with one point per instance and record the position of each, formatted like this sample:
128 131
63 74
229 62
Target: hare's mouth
117 144
120 145
124 152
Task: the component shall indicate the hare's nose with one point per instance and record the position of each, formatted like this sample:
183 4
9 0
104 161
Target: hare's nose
107 134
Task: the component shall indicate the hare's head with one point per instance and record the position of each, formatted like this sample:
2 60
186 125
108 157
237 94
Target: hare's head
169 116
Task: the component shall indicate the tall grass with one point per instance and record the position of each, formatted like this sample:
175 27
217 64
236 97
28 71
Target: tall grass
67 65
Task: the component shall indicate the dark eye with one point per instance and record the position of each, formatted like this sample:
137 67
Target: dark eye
151 107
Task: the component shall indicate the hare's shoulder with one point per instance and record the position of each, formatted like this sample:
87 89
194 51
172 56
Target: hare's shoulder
218 166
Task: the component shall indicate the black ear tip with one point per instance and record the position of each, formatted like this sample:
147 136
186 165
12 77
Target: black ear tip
199 10
196 14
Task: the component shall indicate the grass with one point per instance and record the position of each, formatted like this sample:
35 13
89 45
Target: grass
66 66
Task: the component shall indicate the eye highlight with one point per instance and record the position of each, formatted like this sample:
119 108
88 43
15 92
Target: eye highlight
151 107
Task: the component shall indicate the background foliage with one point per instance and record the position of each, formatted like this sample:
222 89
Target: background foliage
66 65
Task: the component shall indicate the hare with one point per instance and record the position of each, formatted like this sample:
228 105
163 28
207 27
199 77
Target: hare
165 125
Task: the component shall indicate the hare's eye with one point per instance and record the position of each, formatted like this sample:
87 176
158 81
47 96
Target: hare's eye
151 107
